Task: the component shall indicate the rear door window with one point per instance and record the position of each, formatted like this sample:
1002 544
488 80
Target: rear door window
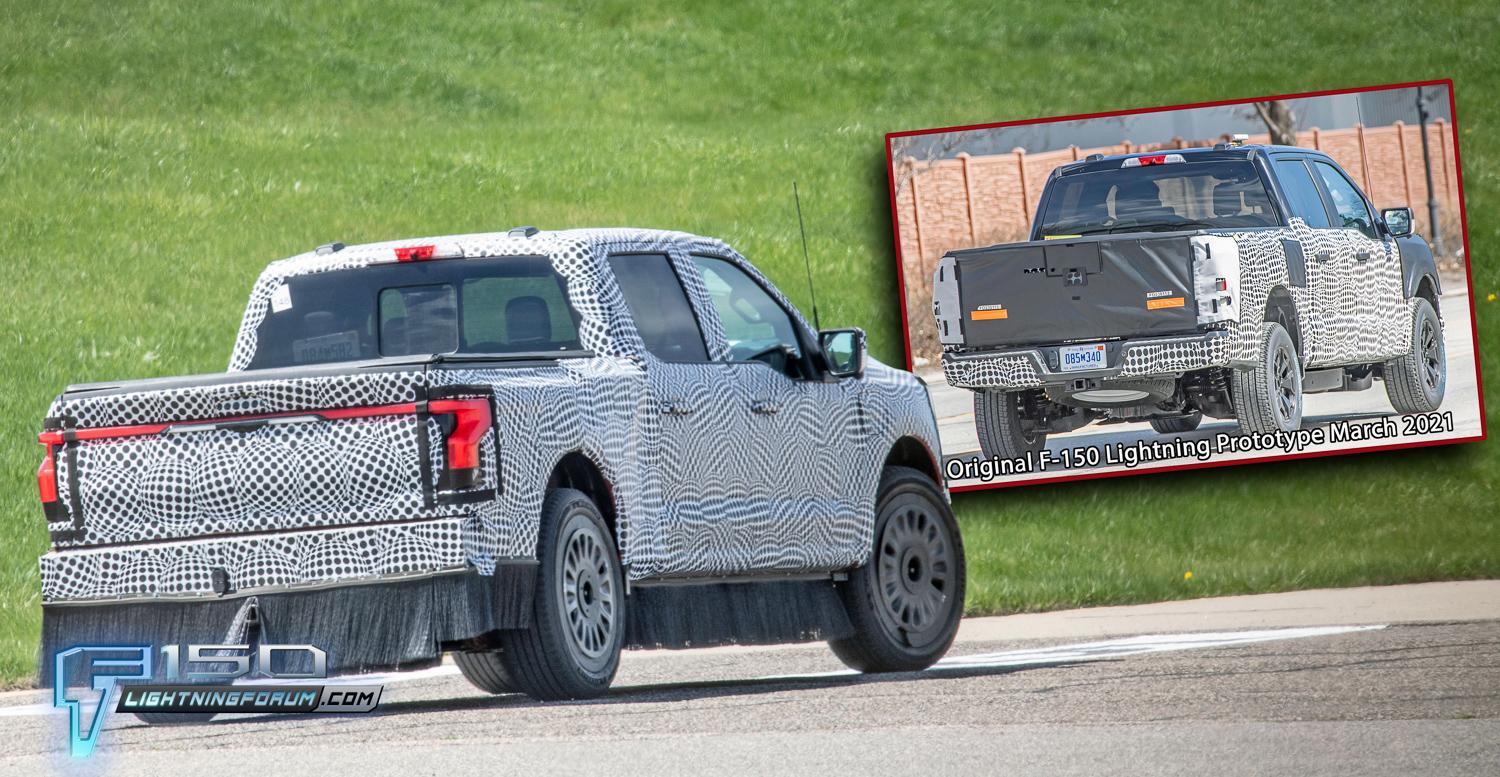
1302 194
660 308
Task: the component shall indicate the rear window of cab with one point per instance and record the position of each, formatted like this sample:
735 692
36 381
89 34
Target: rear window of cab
501 305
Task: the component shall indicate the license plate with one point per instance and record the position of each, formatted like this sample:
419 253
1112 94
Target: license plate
1074 358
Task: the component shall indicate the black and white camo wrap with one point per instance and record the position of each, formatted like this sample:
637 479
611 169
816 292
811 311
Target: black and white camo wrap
336 502
1350 311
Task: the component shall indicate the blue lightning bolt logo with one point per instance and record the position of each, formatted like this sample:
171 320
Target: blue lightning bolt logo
104 675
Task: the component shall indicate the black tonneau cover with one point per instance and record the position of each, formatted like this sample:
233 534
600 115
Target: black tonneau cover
1086 288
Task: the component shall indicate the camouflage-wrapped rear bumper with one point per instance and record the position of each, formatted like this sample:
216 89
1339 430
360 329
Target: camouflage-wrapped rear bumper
1035 367
253 563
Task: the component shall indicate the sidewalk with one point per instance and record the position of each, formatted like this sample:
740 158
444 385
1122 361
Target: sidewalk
1473 600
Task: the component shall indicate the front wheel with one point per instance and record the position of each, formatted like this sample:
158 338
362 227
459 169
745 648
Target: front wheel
997 419
572 647
1268 396
1415 383
905 602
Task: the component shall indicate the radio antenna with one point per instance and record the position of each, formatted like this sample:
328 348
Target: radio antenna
806 262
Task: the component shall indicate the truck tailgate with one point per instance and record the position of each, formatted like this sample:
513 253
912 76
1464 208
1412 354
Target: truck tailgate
1089 288
240 454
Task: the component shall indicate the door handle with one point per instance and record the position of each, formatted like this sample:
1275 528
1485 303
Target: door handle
764 407
1323 256
1363 256
675 407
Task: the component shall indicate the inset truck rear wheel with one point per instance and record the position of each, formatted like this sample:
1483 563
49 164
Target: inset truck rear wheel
997 419
906 601
1177 424
1268 396
1416 382
572 647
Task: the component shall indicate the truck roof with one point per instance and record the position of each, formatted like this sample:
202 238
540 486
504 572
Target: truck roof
518 241
1198 153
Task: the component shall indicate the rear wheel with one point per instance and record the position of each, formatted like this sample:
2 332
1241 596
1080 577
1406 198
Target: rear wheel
1268 396
905 602
1416 382
997 419
1177 424
484 670
572 647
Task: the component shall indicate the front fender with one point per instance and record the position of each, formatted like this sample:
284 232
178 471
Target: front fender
1417 263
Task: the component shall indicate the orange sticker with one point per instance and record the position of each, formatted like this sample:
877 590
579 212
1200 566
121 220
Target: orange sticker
1167 302
988 315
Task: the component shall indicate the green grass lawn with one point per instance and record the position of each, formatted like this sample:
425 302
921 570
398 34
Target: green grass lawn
154 156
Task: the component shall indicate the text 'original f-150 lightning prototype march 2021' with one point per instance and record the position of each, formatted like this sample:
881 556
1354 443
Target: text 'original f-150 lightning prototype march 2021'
528 448
1226 281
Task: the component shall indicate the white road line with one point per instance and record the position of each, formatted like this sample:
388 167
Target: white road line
1113 648
1057 654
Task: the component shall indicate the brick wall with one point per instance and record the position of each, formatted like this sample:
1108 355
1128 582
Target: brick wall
946 204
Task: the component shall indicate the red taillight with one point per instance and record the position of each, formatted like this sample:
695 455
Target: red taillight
415 253
46 477
1221 285
1158 159
471 419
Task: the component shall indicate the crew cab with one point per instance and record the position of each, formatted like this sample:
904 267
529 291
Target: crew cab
1166 286
527 448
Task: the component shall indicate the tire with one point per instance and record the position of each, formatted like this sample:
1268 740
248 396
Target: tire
1416 382
174 718
571 650
484 670
997 418
905 603
1179 424
1268 396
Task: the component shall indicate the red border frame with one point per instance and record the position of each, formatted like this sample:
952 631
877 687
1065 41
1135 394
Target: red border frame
1463 216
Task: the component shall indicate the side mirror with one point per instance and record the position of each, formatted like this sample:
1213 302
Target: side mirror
1397 221
843 351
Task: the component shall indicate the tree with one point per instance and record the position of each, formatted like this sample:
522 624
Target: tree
1280 121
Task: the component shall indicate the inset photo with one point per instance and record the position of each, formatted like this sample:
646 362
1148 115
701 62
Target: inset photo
1189 286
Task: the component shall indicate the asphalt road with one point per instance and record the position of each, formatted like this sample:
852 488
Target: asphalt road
955 410
1416 699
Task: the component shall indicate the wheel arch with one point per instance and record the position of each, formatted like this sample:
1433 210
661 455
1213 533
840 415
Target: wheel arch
1428 288
1282 307
909 451
576 470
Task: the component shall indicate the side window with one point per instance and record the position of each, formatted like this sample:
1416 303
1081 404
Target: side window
1302 194
659 306
755 325
1346 200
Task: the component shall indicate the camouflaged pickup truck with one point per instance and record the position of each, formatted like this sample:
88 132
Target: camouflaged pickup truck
527 448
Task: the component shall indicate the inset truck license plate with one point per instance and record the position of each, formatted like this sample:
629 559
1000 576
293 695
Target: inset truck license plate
1074 358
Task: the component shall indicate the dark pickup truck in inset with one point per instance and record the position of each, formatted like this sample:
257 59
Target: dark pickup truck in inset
1225 281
